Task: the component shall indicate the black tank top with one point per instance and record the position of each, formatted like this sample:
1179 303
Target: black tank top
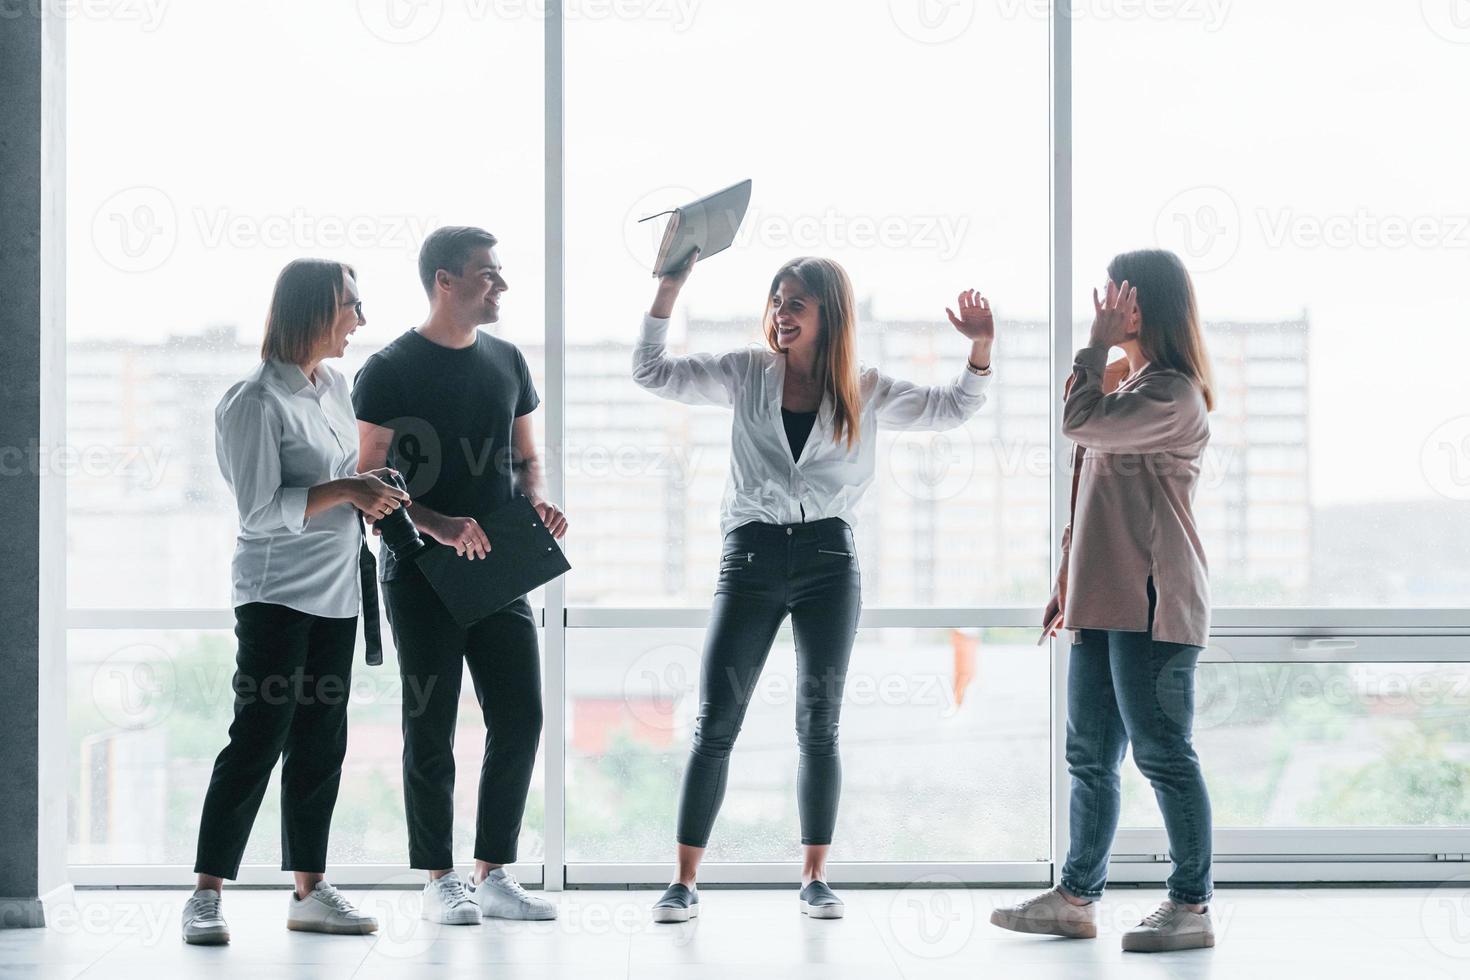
798 427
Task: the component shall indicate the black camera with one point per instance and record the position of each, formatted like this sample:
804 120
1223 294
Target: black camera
397 528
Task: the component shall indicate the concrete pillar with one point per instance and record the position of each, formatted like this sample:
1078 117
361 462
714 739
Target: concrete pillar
33 752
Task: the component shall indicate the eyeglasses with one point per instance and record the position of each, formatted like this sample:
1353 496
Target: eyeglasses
357 308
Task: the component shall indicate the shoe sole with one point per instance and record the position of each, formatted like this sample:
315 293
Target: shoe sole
215 939
1038 927
822 911
1168 944
676 915
454 920
332 930
538 917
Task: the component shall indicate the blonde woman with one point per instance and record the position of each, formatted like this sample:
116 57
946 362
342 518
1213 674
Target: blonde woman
287 446
1133 585
802 455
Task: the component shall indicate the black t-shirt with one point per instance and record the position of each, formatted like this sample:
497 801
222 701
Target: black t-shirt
452 412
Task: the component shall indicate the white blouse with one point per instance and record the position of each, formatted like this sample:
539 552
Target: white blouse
277 435
828 479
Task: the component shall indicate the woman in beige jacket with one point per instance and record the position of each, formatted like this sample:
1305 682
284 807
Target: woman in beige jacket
1134 588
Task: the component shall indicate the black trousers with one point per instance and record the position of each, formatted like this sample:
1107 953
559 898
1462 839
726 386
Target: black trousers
293 674
767 571
504 659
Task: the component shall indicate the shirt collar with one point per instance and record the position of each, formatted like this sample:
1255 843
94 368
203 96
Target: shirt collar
296 381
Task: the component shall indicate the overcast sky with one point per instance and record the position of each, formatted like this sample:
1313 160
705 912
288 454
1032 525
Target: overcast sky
1299 156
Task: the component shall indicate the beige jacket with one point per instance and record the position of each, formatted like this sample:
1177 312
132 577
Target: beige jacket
1135 514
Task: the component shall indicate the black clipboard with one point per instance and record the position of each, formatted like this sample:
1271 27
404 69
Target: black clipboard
523 555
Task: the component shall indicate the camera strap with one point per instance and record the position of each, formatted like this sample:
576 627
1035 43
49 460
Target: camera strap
372 628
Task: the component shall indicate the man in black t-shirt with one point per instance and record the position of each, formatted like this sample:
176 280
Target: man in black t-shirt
448 406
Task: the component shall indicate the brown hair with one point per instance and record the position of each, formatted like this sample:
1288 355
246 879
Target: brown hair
449 248
1169 332
307 298
827 282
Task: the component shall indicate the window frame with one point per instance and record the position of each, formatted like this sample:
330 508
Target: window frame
1254 635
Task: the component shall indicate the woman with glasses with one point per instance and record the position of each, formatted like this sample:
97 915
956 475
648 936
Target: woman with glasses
286 440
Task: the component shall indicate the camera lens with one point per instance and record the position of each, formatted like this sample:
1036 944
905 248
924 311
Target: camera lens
399 534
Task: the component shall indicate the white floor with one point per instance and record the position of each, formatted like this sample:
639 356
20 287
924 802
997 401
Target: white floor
1263 934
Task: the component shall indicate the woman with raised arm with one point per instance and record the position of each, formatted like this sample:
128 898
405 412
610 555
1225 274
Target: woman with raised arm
806 418
1133 586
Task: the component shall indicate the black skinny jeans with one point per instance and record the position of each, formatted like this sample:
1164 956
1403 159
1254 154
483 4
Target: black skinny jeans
504 657
766 571
293 674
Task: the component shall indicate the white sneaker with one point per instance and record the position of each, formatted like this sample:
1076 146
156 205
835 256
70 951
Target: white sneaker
446 901
328 910
204 924
1171 926
1049 914
500 896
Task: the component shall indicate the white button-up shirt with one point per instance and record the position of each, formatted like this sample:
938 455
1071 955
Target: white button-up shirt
277 435
828 479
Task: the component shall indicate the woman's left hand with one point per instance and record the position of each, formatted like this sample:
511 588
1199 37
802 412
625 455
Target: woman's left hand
974 320
1112 322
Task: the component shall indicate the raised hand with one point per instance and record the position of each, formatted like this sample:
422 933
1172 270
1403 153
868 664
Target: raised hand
974 320
1114 319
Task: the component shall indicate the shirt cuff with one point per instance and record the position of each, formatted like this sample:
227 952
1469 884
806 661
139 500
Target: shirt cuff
972 383
655 330
293 508
1092 359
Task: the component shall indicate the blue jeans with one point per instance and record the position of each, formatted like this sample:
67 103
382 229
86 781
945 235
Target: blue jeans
1125 687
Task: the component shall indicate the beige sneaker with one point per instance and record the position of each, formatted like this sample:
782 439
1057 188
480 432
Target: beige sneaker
1170 926
1049 914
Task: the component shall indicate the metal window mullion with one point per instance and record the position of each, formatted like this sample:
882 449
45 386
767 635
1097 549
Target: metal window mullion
554 768
1060 95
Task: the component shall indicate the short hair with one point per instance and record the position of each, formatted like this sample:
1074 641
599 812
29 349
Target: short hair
306 299
449 248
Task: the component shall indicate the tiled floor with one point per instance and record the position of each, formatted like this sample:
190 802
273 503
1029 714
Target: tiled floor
1263 933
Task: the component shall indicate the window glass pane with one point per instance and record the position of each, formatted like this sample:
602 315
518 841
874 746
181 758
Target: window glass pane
1328 267
919 193
927 775
196 170
150 709
1328 745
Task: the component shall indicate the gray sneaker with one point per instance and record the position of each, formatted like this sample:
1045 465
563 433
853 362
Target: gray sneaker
678 904
204 924
328 910
1049 914
819 902
1169 927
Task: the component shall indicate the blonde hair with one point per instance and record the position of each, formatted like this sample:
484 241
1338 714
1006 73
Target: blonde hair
828 284
307 298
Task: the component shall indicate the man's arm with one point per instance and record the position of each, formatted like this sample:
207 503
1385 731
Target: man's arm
529 477
463 534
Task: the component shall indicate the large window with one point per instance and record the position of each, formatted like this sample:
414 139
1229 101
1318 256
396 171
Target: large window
1314 194
206 151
